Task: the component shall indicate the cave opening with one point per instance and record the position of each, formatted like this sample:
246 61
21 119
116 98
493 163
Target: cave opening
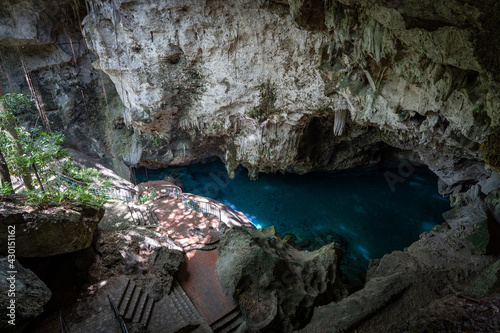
370 211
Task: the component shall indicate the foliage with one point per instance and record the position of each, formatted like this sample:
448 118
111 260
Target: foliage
38 148
16 104
83 174
25 148
80 194
147 195
266 107
6 188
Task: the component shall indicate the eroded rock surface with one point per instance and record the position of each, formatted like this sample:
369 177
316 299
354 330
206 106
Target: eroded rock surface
50 230
261 82
42 41
275 285
460 313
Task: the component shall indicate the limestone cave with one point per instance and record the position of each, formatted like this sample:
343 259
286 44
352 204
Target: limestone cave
304 166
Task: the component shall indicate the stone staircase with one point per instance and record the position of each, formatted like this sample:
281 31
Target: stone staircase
135 304
173 310
229 323
183 303
143 215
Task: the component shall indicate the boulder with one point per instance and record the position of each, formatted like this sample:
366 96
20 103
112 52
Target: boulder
139 254
276 285
50 230
22 295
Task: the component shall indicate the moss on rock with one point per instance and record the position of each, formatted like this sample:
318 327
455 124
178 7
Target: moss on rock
491 150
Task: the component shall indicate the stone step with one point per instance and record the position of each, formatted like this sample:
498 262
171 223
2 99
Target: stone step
154 217
134 215
143 216
140 307
133 304
125 300
232 326
148 308
180 307
183 303
225 321
123 292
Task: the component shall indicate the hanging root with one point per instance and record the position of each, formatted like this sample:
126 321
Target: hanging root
36 96
339 122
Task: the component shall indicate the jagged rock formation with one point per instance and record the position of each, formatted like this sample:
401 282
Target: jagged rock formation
275 285
28 293
197 84
47 231
460 313
259 83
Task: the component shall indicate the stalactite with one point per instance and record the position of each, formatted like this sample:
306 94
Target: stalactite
339 122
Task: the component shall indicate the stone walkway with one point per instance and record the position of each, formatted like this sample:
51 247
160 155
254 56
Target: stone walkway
188 228
198 235
198 278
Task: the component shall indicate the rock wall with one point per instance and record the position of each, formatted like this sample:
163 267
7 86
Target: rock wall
30 296
403 287
276 286
47 231
262 83
42 41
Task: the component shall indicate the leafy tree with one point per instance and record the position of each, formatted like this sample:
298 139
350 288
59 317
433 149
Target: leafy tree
13 104
26 151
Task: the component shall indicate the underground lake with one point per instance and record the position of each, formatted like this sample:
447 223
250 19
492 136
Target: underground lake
369 211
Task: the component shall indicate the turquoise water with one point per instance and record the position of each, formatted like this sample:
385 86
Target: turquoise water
357 208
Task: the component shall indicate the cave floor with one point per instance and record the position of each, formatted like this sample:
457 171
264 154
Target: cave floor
188 228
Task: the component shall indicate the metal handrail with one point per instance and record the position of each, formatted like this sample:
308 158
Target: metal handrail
118 317
197 205
203 207
62 324
102 189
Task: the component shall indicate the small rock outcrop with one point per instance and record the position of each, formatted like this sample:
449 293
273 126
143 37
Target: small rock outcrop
27 291
50 230
140 254
275 285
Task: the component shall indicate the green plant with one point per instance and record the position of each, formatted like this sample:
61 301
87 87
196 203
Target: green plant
147 195
5 189
30 151
80 194
266 107
16 103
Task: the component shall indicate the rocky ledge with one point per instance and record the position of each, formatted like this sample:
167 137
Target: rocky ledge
43 231
275 285
27 291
